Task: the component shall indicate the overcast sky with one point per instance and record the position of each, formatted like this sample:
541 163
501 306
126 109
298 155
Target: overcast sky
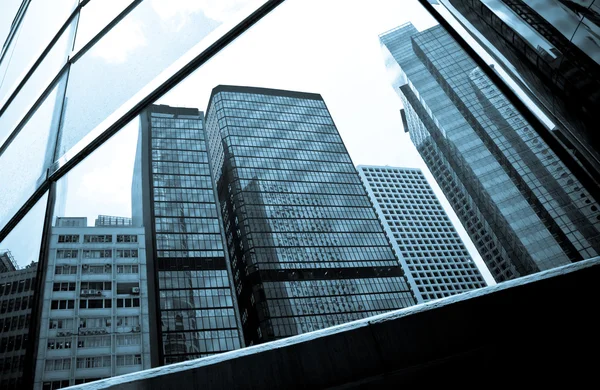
330 47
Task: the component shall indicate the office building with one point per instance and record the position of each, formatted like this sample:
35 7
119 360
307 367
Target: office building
16 300
551 46
421 232
94 320
522 207
192 303
306 247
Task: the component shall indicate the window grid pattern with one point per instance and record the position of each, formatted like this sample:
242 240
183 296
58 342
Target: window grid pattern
508 177
437 258
301 232
195 294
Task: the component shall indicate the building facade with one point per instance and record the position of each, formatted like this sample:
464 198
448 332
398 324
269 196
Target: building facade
306 247
16 301
94 321
552 45
192 301
421 232
522 207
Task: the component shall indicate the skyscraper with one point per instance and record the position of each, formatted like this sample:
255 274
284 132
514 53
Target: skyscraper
421 232
191 301
552 46
306 247
94 319
522 207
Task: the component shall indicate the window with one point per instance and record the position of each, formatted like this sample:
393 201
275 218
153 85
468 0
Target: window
97 238
129 360
95 322
127 238
128 321
64 286
61 323
127 253
95 303
93 341
128 302
97 254
58 364
62 304
106 286
59 343
127 269
128 339
66 253
93 362
128 288
68 238
96 268
64 269
54 385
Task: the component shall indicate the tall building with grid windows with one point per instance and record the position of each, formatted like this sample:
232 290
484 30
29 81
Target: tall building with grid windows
191 299
306 247
523 208
421 232
552 45
94 320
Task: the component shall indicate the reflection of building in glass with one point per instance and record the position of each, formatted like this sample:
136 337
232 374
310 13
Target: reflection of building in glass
522 207
16 301
192 301
7 262
94 321
109 220
421 232
307 249
554 46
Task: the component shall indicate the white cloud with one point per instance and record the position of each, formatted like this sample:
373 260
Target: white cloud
122 40
180 10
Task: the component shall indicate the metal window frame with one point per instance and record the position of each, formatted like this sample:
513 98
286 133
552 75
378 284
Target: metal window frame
169 78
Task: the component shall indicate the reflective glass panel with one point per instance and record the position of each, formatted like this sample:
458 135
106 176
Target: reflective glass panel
34 86
9 10
23 164
95 244
94 16
19 255
131 54
41 22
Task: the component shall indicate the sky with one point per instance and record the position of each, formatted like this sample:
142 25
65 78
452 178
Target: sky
330 47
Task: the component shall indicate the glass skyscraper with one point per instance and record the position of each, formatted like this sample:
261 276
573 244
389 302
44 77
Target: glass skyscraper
422 234
552 46
522 207
307 249
191 300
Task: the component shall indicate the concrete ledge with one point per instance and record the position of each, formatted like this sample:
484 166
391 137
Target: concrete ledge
539 329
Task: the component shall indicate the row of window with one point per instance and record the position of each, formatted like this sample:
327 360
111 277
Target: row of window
12 364
68 324
95 238
66 304
94 341
14 323
95 253
92 362
66 269
13 343
55 385
17 286
15 304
